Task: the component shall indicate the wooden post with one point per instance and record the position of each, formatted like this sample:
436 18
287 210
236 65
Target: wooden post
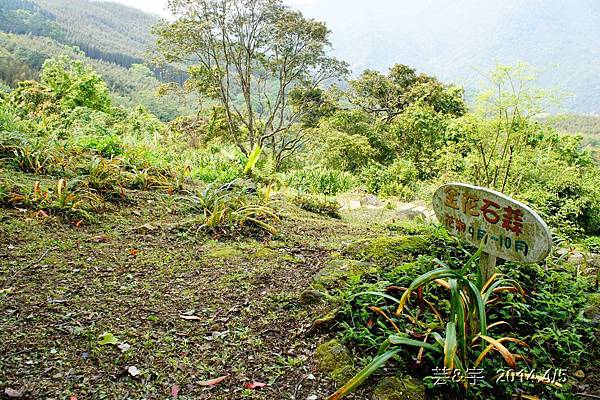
487 265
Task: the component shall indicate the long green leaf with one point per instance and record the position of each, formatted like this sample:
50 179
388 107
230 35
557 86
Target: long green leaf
472 260
252 159
359 378
394 339
458 310
479 305
384 295
450 345
422 280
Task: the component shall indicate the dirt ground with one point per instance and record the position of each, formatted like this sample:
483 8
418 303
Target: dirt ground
176 308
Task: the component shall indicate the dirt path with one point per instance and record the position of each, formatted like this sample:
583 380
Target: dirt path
183 308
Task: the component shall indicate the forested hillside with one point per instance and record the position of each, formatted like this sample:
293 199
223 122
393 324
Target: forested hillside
458 40
585 125
113 38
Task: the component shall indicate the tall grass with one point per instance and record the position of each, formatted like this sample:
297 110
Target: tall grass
321 180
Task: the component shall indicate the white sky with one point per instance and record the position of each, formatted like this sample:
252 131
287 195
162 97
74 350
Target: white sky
159 6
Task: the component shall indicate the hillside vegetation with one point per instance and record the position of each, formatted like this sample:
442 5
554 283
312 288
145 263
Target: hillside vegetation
153 248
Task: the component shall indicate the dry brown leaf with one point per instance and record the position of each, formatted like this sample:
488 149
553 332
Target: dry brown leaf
213 382
99 239
12 393
254 385
190 317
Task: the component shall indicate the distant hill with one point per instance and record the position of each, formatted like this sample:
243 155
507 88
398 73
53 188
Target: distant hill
106 31
111 37
455 40
588 126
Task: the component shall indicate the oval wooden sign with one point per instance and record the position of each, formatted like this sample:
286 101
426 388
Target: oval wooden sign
511 230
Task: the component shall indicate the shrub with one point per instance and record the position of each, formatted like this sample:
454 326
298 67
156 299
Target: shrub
465 341
397 179
75 84
318 205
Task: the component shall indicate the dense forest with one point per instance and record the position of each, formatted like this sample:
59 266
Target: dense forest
264 225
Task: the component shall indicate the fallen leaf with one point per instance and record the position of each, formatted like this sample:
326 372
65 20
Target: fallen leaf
107 338
134 252
41 214
146 227
99 239
190 317
133 371
213 382
6 291
78 224
175 391
254 385
12 393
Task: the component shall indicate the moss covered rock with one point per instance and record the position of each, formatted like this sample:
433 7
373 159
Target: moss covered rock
397 388
335 360
388 250
310 296
339 271
264 253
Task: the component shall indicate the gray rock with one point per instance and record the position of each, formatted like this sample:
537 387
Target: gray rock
310 296
593 309
410 215
370 200
247 185
576 258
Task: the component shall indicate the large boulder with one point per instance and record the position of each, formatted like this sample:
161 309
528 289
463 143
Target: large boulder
399 388
370 200
311 296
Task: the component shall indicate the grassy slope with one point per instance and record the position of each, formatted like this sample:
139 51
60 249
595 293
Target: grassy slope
67 285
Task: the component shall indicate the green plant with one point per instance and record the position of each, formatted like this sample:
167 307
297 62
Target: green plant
35 160
397 179
66 199
228 212
593 243
461 340
105 176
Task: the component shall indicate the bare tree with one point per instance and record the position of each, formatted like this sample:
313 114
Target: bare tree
249 55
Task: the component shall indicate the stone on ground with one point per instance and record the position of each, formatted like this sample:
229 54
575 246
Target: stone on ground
396 388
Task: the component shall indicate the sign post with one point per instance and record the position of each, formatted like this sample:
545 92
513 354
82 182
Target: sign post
508 229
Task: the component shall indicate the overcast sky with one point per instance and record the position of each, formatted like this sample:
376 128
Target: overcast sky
158 6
